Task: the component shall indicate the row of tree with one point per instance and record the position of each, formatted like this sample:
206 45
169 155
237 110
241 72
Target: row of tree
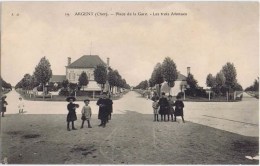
224 81
142 85
254 87
5 84
41 76
43 73
102 75
167 71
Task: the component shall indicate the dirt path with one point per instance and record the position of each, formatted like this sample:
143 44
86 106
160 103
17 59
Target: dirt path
130 138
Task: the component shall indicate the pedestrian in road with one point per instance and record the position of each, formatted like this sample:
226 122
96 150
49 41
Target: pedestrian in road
170 108
21 105
164 105
156 108
178 108
86 113
71 117
3 105
105 104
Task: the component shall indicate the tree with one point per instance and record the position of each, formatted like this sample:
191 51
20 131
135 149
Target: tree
142 85
238 87
100 75
169 71
4 84
192 82
157 76
65 83
83 79
43 72
73 87
111 79
230 74
211 81
254 87
26 81
256 84
220 83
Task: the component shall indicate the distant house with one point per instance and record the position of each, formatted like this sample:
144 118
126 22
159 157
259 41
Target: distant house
179 85
57 78
87 64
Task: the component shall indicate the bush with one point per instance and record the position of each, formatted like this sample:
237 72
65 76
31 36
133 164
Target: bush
64 92
180 94
201 92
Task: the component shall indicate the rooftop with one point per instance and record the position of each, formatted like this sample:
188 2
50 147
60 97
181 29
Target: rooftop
87 61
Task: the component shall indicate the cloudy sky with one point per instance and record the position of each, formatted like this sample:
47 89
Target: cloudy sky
210 35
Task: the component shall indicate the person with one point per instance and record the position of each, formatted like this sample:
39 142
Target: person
21 105
178 108
170 108
154 96
105 104
71 117
4 104
163 104
156 108
110 110
86 113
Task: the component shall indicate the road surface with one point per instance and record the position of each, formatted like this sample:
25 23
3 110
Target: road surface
237 117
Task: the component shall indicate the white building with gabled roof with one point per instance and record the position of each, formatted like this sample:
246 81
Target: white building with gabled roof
87 64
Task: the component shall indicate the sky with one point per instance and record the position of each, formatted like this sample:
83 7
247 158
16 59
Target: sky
208 36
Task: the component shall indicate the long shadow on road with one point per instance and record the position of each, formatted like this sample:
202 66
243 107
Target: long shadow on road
130 138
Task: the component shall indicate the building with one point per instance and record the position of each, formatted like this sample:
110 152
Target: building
87 64
179 85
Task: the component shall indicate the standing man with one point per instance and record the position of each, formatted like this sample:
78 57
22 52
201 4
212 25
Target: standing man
105 105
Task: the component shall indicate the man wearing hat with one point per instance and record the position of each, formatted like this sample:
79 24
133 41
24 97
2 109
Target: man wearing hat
105 105
3 105
71 117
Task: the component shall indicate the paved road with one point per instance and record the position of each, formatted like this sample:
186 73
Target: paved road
237 117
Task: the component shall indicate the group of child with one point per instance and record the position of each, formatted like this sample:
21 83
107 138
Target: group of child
165 107
4 105
71 117
105 111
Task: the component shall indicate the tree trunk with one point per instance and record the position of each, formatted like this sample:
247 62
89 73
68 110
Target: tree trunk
43 91
160 90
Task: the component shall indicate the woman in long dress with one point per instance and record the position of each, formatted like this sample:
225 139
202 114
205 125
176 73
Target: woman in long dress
164 105
178 108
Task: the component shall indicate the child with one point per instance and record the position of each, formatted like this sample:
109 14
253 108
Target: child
71 117
170 109
178 108
155 109
20 105
4 104
86 113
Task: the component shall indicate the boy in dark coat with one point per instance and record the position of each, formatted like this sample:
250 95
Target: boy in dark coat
178 108
71 117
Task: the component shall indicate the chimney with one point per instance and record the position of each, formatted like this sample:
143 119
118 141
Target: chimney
188 71
107 62
69 61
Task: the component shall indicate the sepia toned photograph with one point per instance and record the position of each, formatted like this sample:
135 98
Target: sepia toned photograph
126 83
